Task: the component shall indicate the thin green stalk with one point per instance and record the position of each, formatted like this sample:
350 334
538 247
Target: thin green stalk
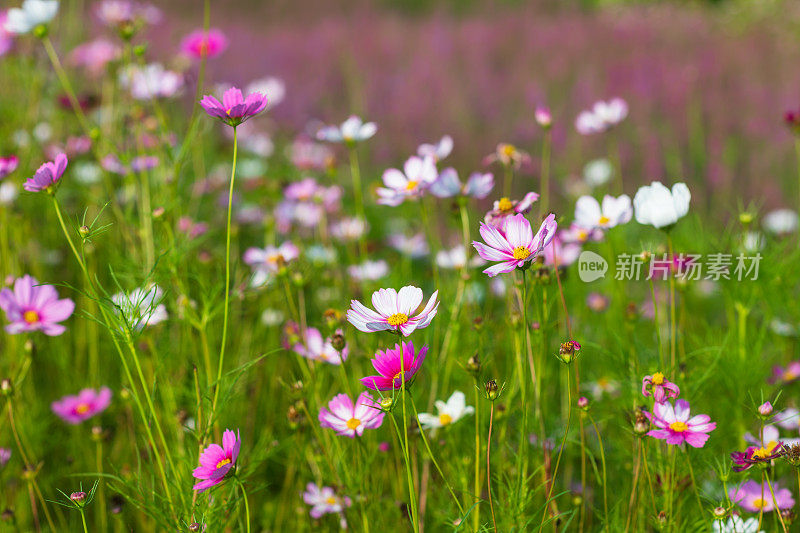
101 497
561 450
672 325
477 481
246 505
489 465
694 483
227 279
66 85
658 326
605 478
775 503
408 474
355 174
649 479
83 520
411 490
508 178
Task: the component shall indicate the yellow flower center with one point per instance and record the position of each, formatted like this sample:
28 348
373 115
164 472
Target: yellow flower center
679 427
759 503
505 204
445 419
31 317
353 423
520 252
330 500
508 150
82 409
658 378
411 185
763 453
223 463
275 258
789 375
397 319
582 235
228 111
604 220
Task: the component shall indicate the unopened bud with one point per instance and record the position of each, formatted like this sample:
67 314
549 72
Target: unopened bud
788 516
158 212
474 365
492 390
78 497
6 387
641 424
765 409
338 342
84 231
745 218
194 526
583 403
720 513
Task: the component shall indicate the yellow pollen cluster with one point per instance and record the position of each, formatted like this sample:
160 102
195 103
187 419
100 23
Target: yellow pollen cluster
411 185
31 317
353 423
505 204
330 500
397 319
763 453
445 419
223 463
508 150
759 503
82 408
679 427
604 220
658 378
520 252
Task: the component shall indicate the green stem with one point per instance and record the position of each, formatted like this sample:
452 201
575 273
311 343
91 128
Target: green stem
66 85
545 178
355 174
83 520
775 503
605 478
489 466
672 324
411 490
561 450
246 505
477 481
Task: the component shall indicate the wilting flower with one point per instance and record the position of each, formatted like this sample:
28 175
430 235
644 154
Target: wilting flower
614 211
351 131
676 427
658 386
151 81
392 370
33 13
34 307
234 108
325 501
418 174
478 185
756 455
517 246
658 206
269 260
781 221
735 524
508 155
436 151
8 165
317 348
756 497
350 420
217 461
48 175
198 44
450 412
141 307
369 270
86 404
394 311
602 117
504 208
5 456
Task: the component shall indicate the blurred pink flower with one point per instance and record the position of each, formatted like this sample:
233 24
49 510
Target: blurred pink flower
504 208
217 461
756 497
234 108
86 404
198 44
94 55
48 175
34 307
602 117
447 184
325 501
8 165
6 37
317 348
417 176
436 151
350 420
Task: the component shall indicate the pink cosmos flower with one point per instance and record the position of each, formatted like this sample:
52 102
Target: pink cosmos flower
269 260
198 44
8 165
350 420
318 348
508 155
234 108
602 117
676 427
324 501
191 228
48 175
755 497
217 461
395 311
478 185
86 404
392 370
147 82
94 55
786 375
543 116
658 387
504 208
517 246
6 37
5 456
34 307
417 176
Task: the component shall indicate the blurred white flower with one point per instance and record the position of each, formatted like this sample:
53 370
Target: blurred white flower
316 253
658 206
735 524
450 412
141 307
274 88
8 192
369 270
349 229
87 173
151 81
781 221
32 13
602 117
437 151
753 241
271 317
597 172
350 131
415 246
456 258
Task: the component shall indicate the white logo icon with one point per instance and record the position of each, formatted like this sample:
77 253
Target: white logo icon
591 266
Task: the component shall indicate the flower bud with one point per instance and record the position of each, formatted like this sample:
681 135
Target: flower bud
788 516
492 390
386 403
7 515
98 434
78 497
338 342
6 387
568 352
543 117
720 513
765 409
583 403
84 231
473 365
194 526
745 218
158 212
641 424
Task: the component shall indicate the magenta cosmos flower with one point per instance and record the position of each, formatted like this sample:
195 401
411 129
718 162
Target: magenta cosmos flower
234 108
756 454
350 420
659 388
756 497
394 311
676 427
8 165
48 175
34 307
517 246
198 44
217 461
392 369
83 406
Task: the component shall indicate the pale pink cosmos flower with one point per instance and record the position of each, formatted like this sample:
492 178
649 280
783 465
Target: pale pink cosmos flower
34 307
48 175
216 461
86 404
94 55
369 270
350 420
325 501
590 214
437 151
456 258
756 497
151 81
415 246
602 117
191 228
234 108
508 155
517 246
8 165
198 44
504 208
351 131
394 311
676 425
543 116
580 234
271 87
659 388
269 260
418 174
447 185
142 307
395 366
317 348
349 229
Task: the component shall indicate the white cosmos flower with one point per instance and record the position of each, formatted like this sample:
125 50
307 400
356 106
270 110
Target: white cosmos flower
415 246
781 221
590 214
141 307
350 131
658 206
597 172
31 14
417 176
449 413
369 270
437 151
151 81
